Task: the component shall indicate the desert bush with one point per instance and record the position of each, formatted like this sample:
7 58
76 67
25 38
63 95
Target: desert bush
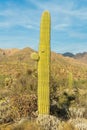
79 123
2 83
5 111
24 106
48 122
77 112
25 83
16 107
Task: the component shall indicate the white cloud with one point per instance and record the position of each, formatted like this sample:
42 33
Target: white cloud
61 26
79 35
4 24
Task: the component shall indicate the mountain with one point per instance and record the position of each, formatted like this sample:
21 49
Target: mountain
8 52
82 57
68 54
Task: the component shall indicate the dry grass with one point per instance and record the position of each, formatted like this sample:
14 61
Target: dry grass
66 126
28 125
22 125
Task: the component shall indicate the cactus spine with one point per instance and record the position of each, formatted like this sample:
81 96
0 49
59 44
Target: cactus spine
44 65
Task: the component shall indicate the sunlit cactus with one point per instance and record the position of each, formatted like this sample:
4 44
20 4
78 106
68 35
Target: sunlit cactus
44 65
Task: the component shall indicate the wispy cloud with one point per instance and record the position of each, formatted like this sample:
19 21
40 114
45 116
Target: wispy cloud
66 16
79 35
61 13
69 19
15 16
61 27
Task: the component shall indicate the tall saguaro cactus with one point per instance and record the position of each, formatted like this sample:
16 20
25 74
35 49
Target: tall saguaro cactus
44 65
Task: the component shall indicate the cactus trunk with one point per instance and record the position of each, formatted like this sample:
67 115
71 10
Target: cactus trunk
44 65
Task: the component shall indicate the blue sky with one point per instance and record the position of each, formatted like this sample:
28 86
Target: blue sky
20 24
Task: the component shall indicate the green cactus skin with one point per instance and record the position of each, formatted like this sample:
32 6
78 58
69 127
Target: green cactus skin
44 65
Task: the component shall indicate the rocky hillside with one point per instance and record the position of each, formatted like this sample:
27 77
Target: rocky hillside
12 58
81 57
18 84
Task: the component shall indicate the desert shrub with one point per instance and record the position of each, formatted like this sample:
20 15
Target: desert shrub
82 102
29 71
24 106
25 82
60 105
48 122
18 106
2 83
80 83
5 111
79 123
8 82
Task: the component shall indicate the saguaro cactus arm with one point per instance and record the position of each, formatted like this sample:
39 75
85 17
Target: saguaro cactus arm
35 56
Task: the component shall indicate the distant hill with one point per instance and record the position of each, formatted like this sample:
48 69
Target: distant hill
82 57
16 62
68 54
8 52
